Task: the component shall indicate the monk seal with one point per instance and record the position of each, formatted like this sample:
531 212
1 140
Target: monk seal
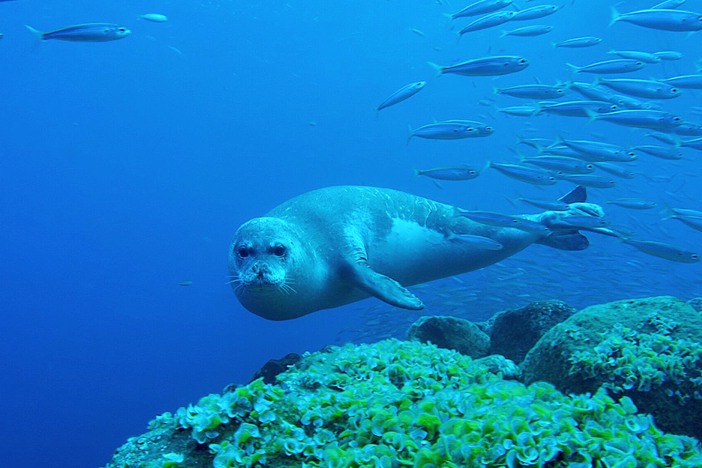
338 245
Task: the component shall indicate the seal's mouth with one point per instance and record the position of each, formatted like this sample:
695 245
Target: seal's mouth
259 279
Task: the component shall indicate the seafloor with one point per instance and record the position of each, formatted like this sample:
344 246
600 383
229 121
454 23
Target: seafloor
613 385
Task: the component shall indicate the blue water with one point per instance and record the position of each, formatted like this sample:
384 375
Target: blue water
128 165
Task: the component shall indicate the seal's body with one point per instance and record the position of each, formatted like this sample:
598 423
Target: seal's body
338 245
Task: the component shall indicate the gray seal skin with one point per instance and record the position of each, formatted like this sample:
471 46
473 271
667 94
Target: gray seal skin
338 245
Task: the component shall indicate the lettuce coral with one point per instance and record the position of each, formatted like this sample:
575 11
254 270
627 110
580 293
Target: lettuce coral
394 404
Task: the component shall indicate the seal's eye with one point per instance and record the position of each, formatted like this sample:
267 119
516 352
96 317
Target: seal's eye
243 253
279 251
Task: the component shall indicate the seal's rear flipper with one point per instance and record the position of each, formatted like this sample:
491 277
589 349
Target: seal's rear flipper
386 289
577 195
566 241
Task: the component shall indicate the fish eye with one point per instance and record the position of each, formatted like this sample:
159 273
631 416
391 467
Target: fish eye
614 107
279 251
522 61
631 154
589 166
243 252
473 172
674 90
122 29
489 129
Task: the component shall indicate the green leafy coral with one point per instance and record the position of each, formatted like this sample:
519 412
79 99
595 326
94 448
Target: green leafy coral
628 360
393 404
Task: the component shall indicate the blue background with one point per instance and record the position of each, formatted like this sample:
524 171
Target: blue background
127 166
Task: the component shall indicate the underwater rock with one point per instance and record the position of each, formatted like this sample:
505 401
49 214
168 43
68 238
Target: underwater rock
514 332
451 333
696 303
498 364
646 349
272 368
399 403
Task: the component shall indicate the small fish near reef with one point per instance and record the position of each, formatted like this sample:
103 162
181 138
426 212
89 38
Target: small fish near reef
153 17
89 32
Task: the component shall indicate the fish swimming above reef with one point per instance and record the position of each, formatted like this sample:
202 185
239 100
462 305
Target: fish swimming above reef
338 245
89 32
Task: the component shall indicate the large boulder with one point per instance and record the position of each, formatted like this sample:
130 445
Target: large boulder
696 303
451 333
646 349
514 332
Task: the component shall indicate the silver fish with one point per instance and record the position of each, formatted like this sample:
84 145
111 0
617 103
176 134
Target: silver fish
663 152
449 173
520 111
529 31
599 150
533 91
578 42
636 55
641 88
610 66
595 93
481 7
615 170
577 108
668 5
479 242
488 21
524 174
535 12
633 203
89 32
668 55
666 251
588 180
684 81
486 66
666 20
640 118
153 17
444 131
401 94
561 164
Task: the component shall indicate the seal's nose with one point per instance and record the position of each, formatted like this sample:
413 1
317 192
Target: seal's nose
259 269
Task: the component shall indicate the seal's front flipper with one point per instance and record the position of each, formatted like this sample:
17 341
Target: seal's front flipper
386 289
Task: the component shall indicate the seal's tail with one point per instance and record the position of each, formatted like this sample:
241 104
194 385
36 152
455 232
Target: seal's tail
566 226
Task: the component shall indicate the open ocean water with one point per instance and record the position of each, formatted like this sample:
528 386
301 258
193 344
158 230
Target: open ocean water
128 165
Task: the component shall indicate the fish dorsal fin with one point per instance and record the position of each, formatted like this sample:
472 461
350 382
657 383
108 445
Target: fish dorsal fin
577 195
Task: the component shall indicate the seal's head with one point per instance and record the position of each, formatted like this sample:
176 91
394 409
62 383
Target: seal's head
267 261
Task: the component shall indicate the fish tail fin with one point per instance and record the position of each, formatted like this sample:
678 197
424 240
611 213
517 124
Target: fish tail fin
411 134
554 45
39 35
615 15
591 115
439 69
574 68
417 172
504 33
598 81
496 90
450 19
